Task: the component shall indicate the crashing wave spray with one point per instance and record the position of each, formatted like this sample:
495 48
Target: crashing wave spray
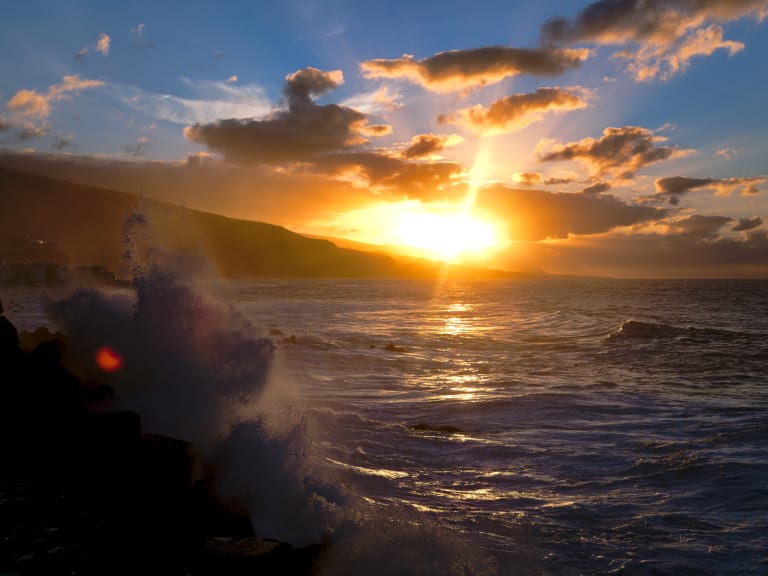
197 370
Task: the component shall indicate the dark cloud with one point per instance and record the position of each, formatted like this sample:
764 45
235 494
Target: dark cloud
597 188
558 180
701 226
748 224
304 85
650 255
680 184
517 111
676 186
620 152
462 69
62 142
427 144
657 21
537 215
138 148
303 130
666 33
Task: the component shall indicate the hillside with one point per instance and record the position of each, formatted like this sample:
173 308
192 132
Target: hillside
45 218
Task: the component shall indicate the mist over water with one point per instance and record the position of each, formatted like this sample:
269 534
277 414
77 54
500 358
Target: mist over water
521 427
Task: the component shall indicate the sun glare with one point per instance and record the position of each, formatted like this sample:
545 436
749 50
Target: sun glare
446 236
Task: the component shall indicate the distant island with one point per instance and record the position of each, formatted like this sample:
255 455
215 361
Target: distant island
49 224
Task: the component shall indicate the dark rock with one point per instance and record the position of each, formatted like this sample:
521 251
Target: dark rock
247 556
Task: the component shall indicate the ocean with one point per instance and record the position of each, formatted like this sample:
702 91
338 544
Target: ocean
560 426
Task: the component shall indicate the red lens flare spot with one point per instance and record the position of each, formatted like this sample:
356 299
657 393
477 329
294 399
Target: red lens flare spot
108 360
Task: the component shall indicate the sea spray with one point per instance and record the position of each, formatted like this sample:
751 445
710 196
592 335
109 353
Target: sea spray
195 369
187 363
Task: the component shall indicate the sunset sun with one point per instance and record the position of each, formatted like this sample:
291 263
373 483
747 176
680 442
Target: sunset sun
445 236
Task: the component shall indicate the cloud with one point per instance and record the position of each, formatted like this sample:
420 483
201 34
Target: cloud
597 188
528 178
726 153
671 254
620 152
668 32
63 142
380 100
29 103
29 110
515 112
680 184
215 100
398 176
423 145
137 150
745 224
459 69
534 215
303 130
303 85
138 30
102 44
700 226
676 186
232 79
662 62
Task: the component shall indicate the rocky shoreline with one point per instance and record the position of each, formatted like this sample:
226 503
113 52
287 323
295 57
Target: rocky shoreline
87 491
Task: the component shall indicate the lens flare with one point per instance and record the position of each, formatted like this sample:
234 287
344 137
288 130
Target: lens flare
108 360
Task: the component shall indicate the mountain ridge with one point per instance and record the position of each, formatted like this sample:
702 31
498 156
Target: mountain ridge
91 226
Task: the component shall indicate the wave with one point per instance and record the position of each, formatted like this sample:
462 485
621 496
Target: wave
194 368
636 329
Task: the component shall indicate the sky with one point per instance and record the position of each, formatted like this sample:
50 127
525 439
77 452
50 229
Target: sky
618 137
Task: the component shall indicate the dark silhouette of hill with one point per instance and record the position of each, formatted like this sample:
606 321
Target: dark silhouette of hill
84 225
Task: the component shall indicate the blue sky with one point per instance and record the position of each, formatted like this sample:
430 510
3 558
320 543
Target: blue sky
616 136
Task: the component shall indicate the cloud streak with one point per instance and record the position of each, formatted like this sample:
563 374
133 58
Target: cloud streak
216 100
674 187
619 152
460 69
515 112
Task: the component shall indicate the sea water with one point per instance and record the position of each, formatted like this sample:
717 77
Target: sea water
564 426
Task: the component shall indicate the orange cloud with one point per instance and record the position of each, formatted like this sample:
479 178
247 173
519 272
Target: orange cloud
528 178
102 44
423 145
515 112
461 69
29 109
620 152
